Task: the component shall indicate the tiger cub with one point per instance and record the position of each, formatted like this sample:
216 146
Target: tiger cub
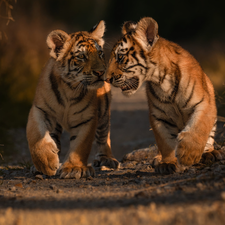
182 109
72 95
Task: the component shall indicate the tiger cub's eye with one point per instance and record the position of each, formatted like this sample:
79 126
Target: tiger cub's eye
81 56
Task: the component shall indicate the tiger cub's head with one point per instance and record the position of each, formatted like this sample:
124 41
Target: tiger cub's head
79 57
128 63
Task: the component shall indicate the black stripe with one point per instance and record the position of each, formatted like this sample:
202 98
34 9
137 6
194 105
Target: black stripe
164 121
161 110
177 74
49 106
80 97
152 91
100 142
138 64
189 98
106 106
58 128
54 86
73 138
142 54
198 102
55 136
173 136
134 56
154 63
124 39
82 123
84 107
212 137
46 116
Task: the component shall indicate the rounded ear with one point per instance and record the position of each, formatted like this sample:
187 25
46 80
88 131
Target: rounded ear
55 41
128 26
97 32
147 31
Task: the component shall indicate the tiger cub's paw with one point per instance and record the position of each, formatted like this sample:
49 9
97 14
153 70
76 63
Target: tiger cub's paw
156 161
188 150
215 155
76 172
106 161
166 168
46 161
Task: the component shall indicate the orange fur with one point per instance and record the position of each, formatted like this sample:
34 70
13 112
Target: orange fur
181 100
71 95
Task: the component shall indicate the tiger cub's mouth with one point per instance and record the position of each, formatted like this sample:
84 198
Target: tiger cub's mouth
130 84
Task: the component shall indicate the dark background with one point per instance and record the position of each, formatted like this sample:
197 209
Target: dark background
198 26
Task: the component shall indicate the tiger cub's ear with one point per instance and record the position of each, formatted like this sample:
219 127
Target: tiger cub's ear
55 41
147 32
97 32
128 26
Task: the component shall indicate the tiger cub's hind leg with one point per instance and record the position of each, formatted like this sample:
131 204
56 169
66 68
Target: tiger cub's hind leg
210 154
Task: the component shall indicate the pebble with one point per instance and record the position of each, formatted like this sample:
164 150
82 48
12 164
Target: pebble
223 195
53 187
59 191
39 177
13 188
19 185
200 186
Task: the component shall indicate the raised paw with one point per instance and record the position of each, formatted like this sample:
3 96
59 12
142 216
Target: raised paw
189 151
46 161
215 155
106 161
76 172
166 168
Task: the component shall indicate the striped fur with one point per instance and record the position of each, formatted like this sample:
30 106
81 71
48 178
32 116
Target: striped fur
71 95
182 108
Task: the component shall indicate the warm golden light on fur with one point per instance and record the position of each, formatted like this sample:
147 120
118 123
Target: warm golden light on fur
72 95
182 109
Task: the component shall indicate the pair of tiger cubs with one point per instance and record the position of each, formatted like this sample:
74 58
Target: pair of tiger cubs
74 94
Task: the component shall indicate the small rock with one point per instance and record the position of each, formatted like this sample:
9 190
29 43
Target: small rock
104 168
129 165
158 191
200 186
140 194
53 187
90 178
59 191
223 195
142 182
202 177
19 185
39 177
13 188
141 154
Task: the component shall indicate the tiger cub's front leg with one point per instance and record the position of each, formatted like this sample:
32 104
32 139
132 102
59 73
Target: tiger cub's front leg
104 156
165 135
43 135
81 139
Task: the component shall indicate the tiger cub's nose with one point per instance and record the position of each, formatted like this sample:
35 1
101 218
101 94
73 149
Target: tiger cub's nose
98 73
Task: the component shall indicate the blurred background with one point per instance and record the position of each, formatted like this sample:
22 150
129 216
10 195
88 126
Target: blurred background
198 26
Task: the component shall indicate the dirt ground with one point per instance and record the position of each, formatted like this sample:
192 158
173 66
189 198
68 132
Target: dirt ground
133 194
